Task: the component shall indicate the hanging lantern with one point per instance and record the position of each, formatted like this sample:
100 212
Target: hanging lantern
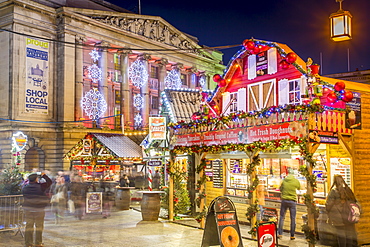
340 24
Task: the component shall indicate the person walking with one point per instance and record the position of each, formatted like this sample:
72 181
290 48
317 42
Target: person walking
339 194
78 195
35 201
59 198
288 189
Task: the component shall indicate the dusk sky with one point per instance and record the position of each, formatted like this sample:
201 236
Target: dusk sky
301 24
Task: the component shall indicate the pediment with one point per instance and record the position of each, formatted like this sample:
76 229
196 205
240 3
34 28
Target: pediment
152 28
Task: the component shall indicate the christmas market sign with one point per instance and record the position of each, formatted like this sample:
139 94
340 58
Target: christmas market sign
157 128
19 141
262 133
222 218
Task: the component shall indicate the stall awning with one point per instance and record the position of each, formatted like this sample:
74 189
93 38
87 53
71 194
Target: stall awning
105 146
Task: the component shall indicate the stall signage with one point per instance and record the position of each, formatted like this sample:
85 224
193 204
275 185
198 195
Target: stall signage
276 131
19 141
188 140
353 115
318 136
94 202
154 163
266 234
157 128
217 172
222 218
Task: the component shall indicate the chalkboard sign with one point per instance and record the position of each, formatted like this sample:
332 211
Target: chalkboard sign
222 218
218 175
94 202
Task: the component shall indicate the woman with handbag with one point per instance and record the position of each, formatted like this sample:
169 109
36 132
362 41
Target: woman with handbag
336 202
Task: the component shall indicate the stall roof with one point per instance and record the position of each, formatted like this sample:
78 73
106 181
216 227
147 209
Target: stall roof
108 145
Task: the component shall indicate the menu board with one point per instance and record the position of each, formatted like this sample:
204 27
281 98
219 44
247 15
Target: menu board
341 166
218 175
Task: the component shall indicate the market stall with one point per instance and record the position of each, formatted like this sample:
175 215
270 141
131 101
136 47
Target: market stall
278 116
102 156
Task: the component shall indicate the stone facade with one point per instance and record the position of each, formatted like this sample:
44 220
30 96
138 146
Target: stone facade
47 71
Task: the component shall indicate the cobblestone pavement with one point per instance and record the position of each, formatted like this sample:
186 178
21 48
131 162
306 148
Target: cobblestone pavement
126 228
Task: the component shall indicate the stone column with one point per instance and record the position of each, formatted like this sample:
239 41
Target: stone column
103 83
125 90
145 92
79 76
162 73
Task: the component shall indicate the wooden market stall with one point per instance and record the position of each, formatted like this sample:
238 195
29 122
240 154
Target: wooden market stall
103 156
272 113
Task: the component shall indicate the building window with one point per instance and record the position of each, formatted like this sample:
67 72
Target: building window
155 102
233 102
294 92
184 80
154 72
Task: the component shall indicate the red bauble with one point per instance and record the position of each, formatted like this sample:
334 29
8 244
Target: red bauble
347 96
256 50
195 116
212 103
291 57
248 44
339 86
222 83
326 90
217 78
284 64
332 97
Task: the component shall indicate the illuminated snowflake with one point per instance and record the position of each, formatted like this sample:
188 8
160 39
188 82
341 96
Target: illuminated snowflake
138 119
95 73
94 104
173 79
138 73
202 80
94 55
138 101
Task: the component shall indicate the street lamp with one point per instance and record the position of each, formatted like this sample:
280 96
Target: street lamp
340 24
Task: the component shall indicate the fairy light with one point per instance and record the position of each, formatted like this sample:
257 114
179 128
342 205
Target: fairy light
94 104
138 73
95 73
173 79
94 55
138 101
138 119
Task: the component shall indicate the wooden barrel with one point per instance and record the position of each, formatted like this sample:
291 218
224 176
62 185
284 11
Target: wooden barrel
150 206
123 198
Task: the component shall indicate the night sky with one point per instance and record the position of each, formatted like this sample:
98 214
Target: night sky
301 24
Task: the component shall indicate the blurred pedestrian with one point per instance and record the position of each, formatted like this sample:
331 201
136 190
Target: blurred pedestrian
35 201
108 198
288 189
59 198
78 196
339 194
124 181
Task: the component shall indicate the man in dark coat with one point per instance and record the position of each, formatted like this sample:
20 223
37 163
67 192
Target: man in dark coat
35 201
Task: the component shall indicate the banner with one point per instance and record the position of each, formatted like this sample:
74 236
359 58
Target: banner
157 128
37 81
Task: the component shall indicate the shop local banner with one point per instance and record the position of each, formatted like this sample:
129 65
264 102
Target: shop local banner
37 85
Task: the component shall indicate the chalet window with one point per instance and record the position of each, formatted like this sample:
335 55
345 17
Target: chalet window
290 91
294 92
233 102
261 95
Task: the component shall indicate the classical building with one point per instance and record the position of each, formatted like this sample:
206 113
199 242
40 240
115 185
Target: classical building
70 68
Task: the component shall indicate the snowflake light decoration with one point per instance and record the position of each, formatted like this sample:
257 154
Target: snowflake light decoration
173 79
138 101
94 55
202 80
138 119
138 73
94 104
95 73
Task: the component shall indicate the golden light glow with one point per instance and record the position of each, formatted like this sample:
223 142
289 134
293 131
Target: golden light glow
340 24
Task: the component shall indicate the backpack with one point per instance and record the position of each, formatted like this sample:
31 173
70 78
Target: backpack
351 212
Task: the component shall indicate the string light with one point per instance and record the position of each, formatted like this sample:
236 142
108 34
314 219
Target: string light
138 73
94 104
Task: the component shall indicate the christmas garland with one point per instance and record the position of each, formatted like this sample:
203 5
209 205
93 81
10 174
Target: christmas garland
202 194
